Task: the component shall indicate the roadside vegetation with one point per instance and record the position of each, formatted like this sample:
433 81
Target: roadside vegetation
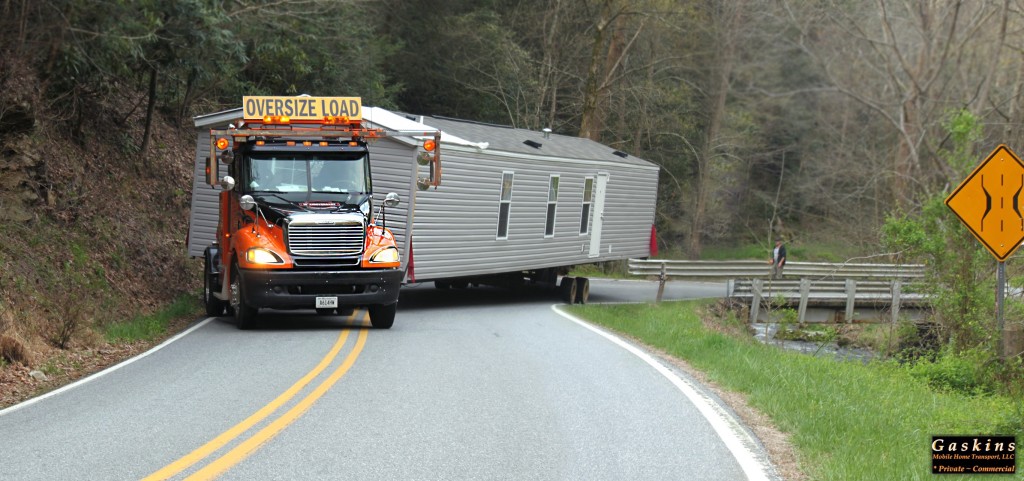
851 420
149 327
848 420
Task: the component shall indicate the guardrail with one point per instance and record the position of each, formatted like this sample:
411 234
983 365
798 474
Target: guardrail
818 283
848 294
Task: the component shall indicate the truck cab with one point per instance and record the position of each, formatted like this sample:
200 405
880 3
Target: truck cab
298 225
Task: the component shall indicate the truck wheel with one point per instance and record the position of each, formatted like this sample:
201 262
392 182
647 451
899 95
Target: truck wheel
245 315
568 289
214 306
582 290
383 317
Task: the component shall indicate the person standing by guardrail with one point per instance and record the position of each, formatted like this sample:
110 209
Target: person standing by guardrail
778 260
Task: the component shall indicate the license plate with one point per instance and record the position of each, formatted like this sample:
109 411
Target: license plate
326 302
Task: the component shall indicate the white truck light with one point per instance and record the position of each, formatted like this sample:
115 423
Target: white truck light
259 255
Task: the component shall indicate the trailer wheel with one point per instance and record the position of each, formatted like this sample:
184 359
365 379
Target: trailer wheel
442 284
582 290
383 316
245 315
214 306
567 289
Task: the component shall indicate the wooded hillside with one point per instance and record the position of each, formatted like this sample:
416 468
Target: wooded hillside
814 114
795 117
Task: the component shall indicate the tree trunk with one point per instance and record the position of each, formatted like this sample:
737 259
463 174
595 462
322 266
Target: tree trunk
589 121
721 70
150 109
186 101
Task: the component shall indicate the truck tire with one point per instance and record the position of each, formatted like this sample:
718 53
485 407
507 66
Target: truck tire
214 306
442 284
582 290
567 289
383 316
245 315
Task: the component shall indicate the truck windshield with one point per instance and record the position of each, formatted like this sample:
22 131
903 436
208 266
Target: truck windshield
325 173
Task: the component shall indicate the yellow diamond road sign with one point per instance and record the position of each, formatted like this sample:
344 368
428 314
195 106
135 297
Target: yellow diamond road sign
990 202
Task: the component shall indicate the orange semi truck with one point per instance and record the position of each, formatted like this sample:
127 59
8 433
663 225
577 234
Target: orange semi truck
297 227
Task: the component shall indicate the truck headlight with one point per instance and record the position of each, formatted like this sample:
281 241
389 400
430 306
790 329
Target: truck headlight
259 255
386 255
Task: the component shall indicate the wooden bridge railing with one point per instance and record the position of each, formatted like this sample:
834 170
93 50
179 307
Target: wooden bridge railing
804 283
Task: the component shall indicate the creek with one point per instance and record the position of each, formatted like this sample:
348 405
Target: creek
765 332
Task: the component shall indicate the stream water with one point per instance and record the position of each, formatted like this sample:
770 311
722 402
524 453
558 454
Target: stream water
766 334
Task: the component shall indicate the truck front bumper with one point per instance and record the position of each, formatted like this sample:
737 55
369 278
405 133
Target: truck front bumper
284 289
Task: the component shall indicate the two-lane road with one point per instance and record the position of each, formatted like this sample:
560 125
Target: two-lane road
469 384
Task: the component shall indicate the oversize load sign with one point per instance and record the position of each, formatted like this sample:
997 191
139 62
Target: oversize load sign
974 454
302 108
990 202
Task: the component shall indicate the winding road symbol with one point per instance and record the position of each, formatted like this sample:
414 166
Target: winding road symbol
989 202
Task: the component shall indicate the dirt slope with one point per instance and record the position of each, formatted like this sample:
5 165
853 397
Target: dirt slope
92 231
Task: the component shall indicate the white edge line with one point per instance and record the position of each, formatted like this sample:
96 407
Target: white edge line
105 371
729 430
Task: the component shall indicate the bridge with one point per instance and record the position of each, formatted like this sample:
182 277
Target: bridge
820 291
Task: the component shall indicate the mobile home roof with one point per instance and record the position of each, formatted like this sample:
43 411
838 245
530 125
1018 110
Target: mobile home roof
533 143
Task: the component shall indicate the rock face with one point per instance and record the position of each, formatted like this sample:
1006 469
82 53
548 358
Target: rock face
19 164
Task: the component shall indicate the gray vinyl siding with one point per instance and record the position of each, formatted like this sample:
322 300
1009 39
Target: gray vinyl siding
202 228
629 214
392 165
456 225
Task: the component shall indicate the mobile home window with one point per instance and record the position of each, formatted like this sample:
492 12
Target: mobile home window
549 225
504 204
588 198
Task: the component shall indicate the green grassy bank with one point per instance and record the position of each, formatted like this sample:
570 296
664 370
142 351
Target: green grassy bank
847 420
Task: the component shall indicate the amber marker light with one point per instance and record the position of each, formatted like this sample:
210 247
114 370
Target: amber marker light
222 143
428 145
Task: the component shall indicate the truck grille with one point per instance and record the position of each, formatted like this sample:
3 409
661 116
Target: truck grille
340 239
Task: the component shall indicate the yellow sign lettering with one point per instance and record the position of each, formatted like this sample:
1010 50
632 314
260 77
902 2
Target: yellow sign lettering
302 108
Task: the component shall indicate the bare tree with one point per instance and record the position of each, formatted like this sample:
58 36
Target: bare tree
905 61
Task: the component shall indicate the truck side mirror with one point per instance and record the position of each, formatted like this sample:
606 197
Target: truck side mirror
227 183
392 200
246 202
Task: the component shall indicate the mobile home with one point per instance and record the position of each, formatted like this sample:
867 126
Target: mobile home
514 205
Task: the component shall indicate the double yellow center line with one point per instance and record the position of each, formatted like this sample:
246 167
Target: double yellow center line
238 453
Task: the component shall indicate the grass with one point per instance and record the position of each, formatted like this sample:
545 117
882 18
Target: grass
605 270
848 421
149 327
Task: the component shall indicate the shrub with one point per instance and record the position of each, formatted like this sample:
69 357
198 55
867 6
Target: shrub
967 372
12 351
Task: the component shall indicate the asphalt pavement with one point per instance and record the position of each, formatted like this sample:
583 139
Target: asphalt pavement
481 383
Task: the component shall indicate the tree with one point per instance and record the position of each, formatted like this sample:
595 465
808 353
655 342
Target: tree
907 62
